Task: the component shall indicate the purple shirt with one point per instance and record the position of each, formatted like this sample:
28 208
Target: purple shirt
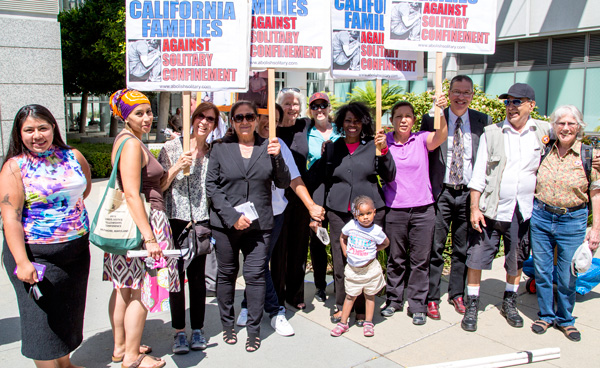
411 187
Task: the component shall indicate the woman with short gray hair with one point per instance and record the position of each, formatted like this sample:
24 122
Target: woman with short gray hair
559 219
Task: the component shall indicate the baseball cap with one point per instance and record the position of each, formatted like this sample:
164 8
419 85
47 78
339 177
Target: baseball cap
519 90
318 96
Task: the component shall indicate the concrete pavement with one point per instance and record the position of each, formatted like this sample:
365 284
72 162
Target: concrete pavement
397 343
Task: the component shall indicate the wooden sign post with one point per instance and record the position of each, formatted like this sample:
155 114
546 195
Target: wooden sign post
186 125
437 115
271 106
377 111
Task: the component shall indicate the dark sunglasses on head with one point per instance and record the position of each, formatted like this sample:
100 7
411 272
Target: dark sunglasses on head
287 89
515 102
316 106
238 118
209 119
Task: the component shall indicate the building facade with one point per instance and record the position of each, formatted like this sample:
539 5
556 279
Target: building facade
30 61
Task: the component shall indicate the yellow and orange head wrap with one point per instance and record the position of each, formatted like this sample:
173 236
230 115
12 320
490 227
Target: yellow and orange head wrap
125 100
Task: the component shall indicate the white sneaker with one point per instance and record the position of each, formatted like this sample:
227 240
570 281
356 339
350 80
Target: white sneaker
281 324
243 318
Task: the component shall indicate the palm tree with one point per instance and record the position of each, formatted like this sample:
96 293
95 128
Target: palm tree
389 96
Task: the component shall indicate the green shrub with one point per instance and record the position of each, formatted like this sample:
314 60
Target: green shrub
97 156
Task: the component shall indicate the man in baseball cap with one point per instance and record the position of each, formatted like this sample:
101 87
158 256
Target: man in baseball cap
502 188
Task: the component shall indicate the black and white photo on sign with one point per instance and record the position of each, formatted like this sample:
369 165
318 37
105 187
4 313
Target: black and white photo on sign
345 50
257 90
406 21
143 57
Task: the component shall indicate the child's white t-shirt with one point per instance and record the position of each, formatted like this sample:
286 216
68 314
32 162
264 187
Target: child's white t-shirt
362 242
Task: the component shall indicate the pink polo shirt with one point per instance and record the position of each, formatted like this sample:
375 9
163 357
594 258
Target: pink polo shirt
411 187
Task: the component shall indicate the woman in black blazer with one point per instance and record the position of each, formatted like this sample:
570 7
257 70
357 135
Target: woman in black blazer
349 168
241 168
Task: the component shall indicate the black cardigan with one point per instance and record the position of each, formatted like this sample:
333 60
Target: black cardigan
341 177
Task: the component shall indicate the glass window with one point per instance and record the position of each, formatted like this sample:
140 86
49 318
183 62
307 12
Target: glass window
498 83
591 113
538 80
565 87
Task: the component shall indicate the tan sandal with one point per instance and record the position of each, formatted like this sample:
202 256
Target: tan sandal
144 349
137 364
570 332
540 326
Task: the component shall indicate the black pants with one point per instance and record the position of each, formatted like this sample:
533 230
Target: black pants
318 257
254 245
196 286
288 262
410 231
452 209
337 220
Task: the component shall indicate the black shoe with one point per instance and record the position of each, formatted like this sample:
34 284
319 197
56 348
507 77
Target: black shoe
469 321
509 309
419 318
388 311
320 295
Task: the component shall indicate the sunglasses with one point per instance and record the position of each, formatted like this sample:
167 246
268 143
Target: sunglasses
288 89
322 105
238 118
209 119
515 102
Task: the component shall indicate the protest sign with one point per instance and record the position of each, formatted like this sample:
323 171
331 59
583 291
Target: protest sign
357 43
290 34
461 26
187 45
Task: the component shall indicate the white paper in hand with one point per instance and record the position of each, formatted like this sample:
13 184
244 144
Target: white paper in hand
248 210
322 235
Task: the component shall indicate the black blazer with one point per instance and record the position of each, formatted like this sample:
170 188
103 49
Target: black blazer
437 157
343 176
229 183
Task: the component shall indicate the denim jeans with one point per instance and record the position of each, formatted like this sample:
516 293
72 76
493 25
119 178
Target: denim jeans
565 233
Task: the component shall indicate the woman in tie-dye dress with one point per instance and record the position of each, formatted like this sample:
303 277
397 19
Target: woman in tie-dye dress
139 286
44 183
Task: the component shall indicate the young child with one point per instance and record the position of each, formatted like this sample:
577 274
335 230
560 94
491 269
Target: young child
360 241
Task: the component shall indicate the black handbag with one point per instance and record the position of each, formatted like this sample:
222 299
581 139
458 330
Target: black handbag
195 239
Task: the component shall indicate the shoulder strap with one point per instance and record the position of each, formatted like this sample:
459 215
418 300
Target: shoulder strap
546 150
586 160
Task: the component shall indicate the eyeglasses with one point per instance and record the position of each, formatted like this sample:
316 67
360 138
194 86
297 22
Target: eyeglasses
570 124
316 106
288 89
238 118
460 93
209 119
515 102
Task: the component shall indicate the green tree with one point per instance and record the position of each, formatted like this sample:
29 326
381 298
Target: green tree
93 50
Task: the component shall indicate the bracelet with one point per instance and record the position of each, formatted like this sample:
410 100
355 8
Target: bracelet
151 240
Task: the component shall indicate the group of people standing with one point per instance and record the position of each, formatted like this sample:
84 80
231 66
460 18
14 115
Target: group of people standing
402 191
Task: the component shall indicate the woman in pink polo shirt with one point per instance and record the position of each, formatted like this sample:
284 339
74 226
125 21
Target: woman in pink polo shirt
411 216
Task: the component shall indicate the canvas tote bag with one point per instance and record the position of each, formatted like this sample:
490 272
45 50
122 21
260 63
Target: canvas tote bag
113 229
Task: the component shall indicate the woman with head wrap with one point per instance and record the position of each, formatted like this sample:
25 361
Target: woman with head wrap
137 169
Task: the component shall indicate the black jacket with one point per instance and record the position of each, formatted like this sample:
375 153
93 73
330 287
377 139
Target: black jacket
437 157
342 176
229 184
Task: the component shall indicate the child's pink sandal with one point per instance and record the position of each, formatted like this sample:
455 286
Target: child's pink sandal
339 329
368 329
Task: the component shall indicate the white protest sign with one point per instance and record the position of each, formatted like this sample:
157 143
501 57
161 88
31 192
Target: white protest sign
357 43
291 34
460 26
187 45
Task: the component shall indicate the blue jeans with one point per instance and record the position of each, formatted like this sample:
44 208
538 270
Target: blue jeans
565 233
271 300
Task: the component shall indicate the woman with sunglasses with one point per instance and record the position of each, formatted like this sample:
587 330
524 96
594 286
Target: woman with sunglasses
241 168
185 200
320 131
349 168
288 264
